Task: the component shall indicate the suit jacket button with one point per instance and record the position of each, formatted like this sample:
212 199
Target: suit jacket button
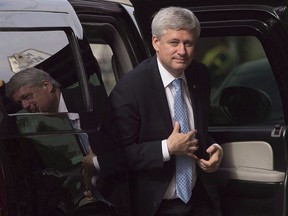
155 204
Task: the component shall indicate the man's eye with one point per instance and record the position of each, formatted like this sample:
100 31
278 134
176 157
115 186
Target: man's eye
173 43
28 97
188 44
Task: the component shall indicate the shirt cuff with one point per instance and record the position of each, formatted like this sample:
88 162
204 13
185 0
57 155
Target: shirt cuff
165 152
96 163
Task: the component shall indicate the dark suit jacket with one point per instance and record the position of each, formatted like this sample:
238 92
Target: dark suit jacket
142 114
113 179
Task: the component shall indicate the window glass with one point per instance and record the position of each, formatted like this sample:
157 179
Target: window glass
54 154
46 50
27 49
110 50
240 62
52 52
40 141
103 54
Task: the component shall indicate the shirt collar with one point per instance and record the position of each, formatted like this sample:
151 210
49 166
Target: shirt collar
166 77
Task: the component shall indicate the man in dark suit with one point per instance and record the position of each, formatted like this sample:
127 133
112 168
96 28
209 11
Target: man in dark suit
36 91
143 104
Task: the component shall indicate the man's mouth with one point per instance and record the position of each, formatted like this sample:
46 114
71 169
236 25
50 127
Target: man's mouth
180 59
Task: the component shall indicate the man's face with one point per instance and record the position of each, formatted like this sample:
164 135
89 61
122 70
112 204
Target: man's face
175 50
35 99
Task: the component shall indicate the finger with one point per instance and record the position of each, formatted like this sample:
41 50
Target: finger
193 142
191 154
207 163
202 166
176 128
191 135
192 149
88 194
207 166
211 149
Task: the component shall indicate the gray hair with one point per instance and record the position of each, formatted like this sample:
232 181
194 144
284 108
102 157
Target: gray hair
31 77
175 18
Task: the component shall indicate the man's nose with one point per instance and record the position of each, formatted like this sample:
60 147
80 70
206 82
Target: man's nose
181 49
25 104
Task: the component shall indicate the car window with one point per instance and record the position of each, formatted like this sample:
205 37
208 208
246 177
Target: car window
53 154
240 62
27 49
104 54
112 48
52 51
23 49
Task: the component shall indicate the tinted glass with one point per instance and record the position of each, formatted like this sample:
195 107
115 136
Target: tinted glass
24 49
240 61
57 148
103 53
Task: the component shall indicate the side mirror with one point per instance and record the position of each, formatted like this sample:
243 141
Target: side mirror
243 105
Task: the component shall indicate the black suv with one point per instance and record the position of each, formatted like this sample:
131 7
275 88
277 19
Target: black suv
40 154
244 44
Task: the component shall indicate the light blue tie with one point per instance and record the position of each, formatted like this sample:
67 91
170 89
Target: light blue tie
183 163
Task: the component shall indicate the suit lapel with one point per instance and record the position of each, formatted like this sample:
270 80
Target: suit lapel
158 96
193 91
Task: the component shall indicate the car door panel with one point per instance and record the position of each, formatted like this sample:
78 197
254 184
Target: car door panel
252 176
249 161
252 173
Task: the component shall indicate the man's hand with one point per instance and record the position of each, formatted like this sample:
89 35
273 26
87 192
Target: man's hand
182 143
89 196
88 170
88 159
216 155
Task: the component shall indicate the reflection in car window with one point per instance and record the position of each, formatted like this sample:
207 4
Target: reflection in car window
238 61
50 51
47 50
27 49
59 155
103 54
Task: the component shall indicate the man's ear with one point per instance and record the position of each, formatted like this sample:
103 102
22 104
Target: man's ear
47 84
155 42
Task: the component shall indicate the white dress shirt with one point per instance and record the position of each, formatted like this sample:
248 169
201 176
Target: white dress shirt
167 79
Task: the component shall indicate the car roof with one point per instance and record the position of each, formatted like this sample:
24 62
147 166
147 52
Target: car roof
39 13
34 5
96 6
190 3
145 9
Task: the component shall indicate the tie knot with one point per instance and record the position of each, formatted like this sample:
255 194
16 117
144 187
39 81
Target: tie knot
177 83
